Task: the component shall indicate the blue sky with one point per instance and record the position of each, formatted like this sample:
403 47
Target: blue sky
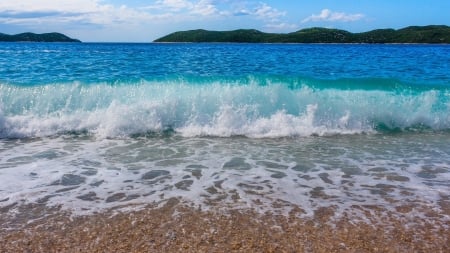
146 20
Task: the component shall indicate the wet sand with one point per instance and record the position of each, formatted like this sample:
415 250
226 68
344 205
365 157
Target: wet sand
175 227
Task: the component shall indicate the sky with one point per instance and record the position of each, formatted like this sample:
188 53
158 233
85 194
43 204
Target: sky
147 20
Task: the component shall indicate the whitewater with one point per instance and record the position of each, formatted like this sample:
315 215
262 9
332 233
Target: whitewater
89 127
215 107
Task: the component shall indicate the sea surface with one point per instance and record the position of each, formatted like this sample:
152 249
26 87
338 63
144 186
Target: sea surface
92 126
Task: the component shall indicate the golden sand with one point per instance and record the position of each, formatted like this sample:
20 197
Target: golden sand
178 228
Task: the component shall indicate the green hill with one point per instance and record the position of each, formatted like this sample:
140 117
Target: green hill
412 34
33 37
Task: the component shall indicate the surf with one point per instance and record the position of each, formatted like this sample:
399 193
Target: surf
251 106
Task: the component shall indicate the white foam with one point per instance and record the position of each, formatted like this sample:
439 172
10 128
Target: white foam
339 171
215 109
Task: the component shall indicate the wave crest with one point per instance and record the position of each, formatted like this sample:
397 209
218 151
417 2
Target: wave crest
217 108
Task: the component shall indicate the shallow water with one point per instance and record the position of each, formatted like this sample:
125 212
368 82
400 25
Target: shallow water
84 174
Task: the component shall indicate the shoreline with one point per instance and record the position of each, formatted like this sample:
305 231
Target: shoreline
276 43
411 34
179 227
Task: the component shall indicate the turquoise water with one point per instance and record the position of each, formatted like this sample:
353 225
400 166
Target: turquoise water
93 126
221 89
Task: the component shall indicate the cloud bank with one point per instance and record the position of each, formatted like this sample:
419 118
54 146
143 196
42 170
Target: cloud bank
98 12
331 16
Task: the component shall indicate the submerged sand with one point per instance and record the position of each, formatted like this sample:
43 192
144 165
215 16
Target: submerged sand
176 227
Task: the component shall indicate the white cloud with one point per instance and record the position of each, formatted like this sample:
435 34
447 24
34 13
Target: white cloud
215 9
272 17
330 16
78 6
100 12
266 12
29 12
204 8
176 5
184 8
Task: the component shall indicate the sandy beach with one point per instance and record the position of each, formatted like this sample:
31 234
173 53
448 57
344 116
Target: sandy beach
176 227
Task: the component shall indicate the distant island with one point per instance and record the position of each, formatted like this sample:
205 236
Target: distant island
33 37
435 34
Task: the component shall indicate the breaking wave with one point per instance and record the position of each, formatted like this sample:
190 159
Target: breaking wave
256 107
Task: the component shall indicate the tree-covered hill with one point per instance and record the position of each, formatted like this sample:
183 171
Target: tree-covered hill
33 37
411 34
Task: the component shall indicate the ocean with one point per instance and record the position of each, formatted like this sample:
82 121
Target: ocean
90 127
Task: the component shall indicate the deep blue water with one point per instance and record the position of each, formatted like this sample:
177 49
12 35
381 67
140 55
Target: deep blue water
39 63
